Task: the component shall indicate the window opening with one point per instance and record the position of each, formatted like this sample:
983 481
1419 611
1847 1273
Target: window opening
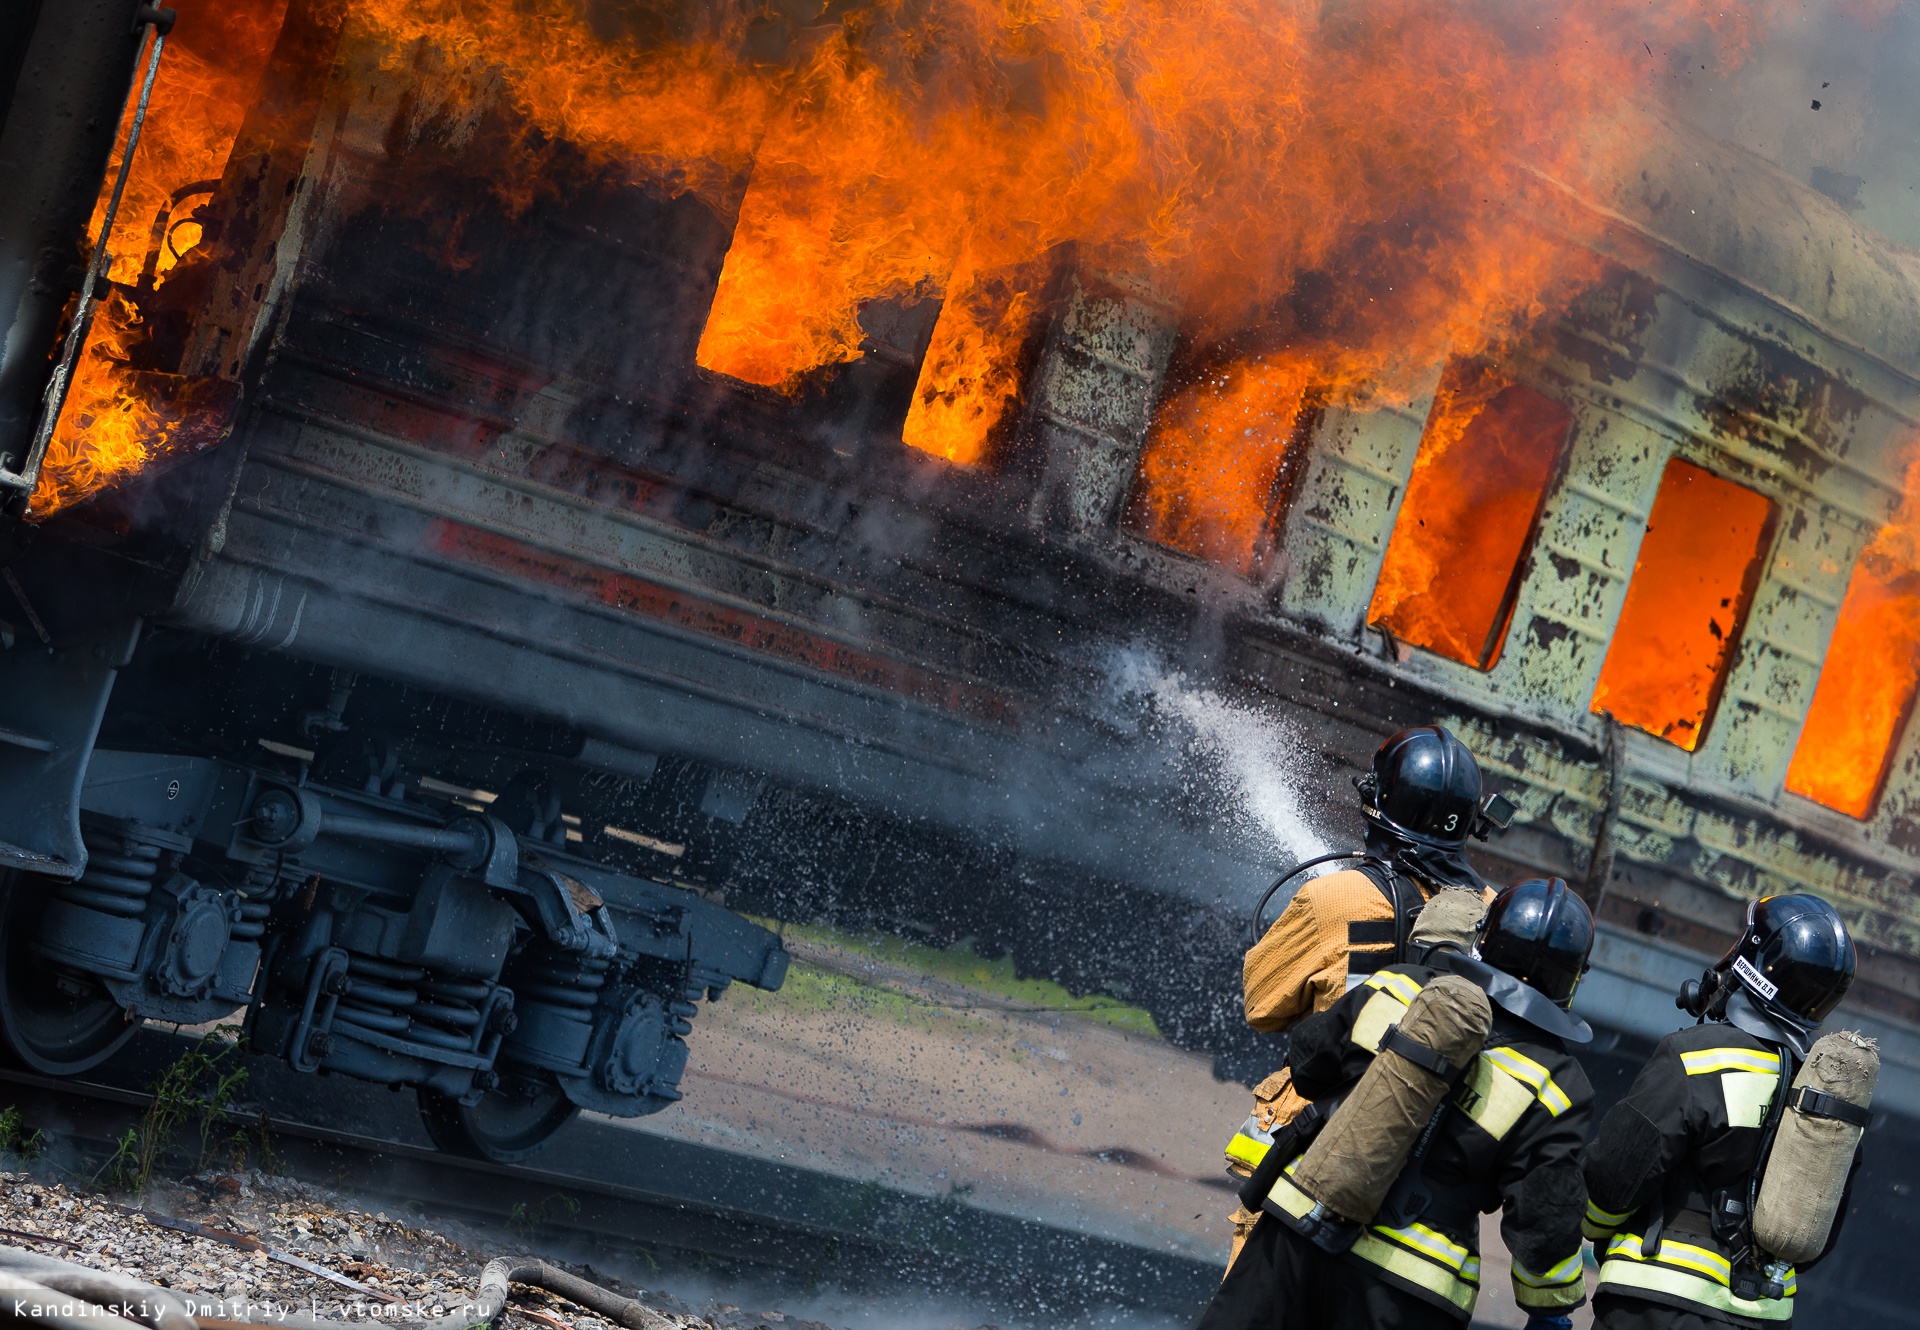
1211 474
1693 583
1867 683
973 376
126 405
1487 458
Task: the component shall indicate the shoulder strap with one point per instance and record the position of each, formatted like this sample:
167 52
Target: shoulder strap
1782 1090
1382 875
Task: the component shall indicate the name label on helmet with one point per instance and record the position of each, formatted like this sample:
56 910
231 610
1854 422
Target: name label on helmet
1762 985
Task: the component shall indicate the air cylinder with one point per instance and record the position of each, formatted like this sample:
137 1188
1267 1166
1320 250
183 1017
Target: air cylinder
1813 1149
1355 1159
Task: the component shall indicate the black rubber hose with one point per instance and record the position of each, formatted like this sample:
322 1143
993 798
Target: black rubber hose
1288 876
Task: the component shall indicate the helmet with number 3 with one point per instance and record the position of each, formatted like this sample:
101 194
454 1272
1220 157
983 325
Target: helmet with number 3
1423 786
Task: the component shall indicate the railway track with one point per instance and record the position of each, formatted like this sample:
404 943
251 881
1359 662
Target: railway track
638 1205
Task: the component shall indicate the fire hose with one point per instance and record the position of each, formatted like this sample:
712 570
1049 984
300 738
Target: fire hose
51 1292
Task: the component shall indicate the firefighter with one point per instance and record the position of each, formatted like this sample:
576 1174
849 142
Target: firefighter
1421 799
1673 1173
1507 1135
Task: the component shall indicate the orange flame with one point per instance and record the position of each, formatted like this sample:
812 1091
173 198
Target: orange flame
1872 667
114 420
1237 150
1483 468
972 372
117 419
1212 464
1699 564
106 431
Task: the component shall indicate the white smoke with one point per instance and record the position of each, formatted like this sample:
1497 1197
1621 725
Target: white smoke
1256 760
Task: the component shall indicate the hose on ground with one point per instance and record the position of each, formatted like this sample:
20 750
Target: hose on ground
65 1296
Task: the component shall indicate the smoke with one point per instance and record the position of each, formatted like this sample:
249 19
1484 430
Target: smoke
1249 762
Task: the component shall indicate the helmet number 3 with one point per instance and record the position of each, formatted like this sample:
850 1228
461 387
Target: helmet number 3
1453 821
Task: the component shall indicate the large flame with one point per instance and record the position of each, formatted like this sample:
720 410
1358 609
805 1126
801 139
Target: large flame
119 419
1872 666
1209 475
972 371
1354 177
1482 472
1698 566
116 419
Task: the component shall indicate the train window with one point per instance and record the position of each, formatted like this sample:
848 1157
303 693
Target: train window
1486 460
1867 685
1692 584
1210 475
973 376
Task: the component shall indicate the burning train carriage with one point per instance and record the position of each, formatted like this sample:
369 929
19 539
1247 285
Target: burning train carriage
507 568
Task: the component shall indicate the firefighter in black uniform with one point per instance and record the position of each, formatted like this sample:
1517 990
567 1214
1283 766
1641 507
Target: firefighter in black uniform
1671 1174
1508 1138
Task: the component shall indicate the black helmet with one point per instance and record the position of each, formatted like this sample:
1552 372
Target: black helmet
1795 958
1539 932
1425 786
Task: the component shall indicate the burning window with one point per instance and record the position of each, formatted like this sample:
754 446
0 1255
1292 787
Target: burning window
975 368
128 402
788 304
783 306
1867 685
1488 456
1210 476
1699 564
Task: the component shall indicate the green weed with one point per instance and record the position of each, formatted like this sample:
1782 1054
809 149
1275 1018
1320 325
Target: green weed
195 1093
527 1222
15 1136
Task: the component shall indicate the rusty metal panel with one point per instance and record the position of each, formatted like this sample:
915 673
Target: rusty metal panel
1896 822
1349 497
1094 393
1771 682
1577 575
1738 854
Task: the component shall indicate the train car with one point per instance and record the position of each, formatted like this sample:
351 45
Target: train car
471 635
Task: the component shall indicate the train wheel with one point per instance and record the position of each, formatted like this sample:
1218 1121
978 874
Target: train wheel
502 1127
56 1023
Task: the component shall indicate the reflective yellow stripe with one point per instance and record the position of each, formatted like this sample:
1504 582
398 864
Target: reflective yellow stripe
1706 1061
1598 1225
1702 1277
1436 1262
1562 1273
1525 1069
1558 1298
1605 1218
1381 1010
1621 1273
1436 1245
1250 1144
1707 1262
1417 1270
1399 985
1289 1197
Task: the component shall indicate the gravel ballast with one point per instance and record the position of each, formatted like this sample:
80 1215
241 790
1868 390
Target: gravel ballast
265 1240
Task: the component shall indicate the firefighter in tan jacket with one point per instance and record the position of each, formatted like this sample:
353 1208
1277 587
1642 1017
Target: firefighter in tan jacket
1422 799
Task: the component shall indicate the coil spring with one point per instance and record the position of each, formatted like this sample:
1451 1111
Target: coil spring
256 904
119 877
570 984
407 1002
